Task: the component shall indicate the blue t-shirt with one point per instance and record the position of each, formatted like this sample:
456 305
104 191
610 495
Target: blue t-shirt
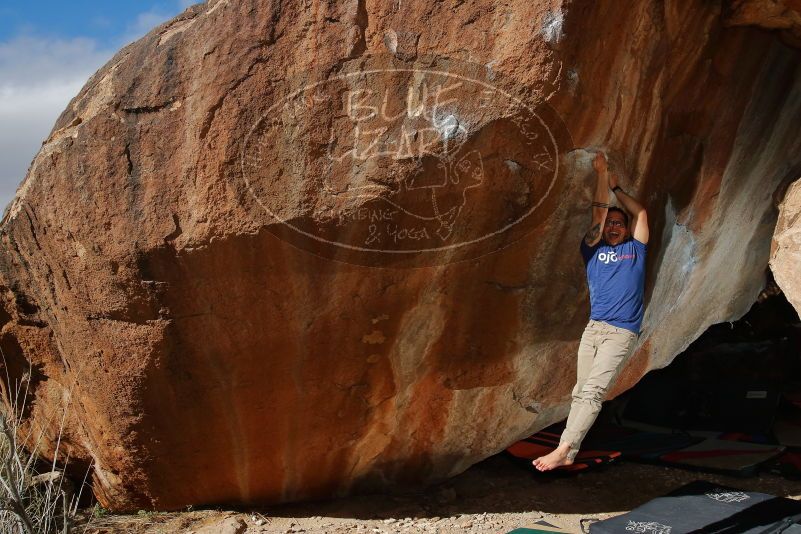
616 277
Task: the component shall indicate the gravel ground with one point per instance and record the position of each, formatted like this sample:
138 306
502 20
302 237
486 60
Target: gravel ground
494 496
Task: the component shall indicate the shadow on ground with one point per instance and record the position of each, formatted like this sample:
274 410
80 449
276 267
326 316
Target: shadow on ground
496 485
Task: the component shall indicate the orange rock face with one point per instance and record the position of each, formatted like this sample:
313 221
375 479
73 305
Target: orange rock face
278 251
785 257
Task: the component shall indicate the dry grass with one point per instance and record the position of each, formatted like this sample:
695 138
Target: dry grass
32 500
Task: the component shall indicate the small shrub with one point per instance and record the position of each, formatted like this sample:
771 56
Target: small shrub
98 512
31 502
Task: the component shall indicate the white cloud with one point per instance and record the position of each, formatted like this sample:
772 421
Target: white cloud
28 60
38 77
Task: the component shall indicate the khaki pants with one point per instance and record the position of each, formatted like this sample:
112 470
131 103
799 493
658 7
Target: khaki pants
602 350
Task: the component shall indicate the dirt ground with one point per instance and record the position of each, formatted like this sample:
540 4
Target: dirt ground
493 496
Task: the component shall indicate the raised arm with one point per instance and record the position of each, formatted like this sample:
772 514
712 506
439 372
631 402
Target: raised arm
600 200
639 217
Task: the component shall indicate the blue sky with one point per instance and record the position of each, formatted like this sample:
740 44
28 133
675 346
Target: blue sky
48 50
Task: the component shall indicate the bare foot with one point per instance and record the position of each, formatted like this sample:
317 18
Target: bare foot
556 458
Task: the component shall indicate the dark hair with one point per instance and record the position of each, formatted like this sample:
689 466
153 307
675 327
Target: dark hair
620 211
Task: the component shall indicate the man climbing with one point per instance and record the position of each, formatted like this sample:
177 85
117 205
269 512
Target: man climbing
614 256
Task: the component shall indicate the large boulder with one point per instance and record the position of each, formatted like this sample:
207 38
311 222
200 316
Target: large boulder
287 250
785 257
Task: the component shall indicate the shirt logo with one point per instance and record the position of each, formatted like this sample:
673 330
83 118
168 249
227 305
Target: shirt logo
606 257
